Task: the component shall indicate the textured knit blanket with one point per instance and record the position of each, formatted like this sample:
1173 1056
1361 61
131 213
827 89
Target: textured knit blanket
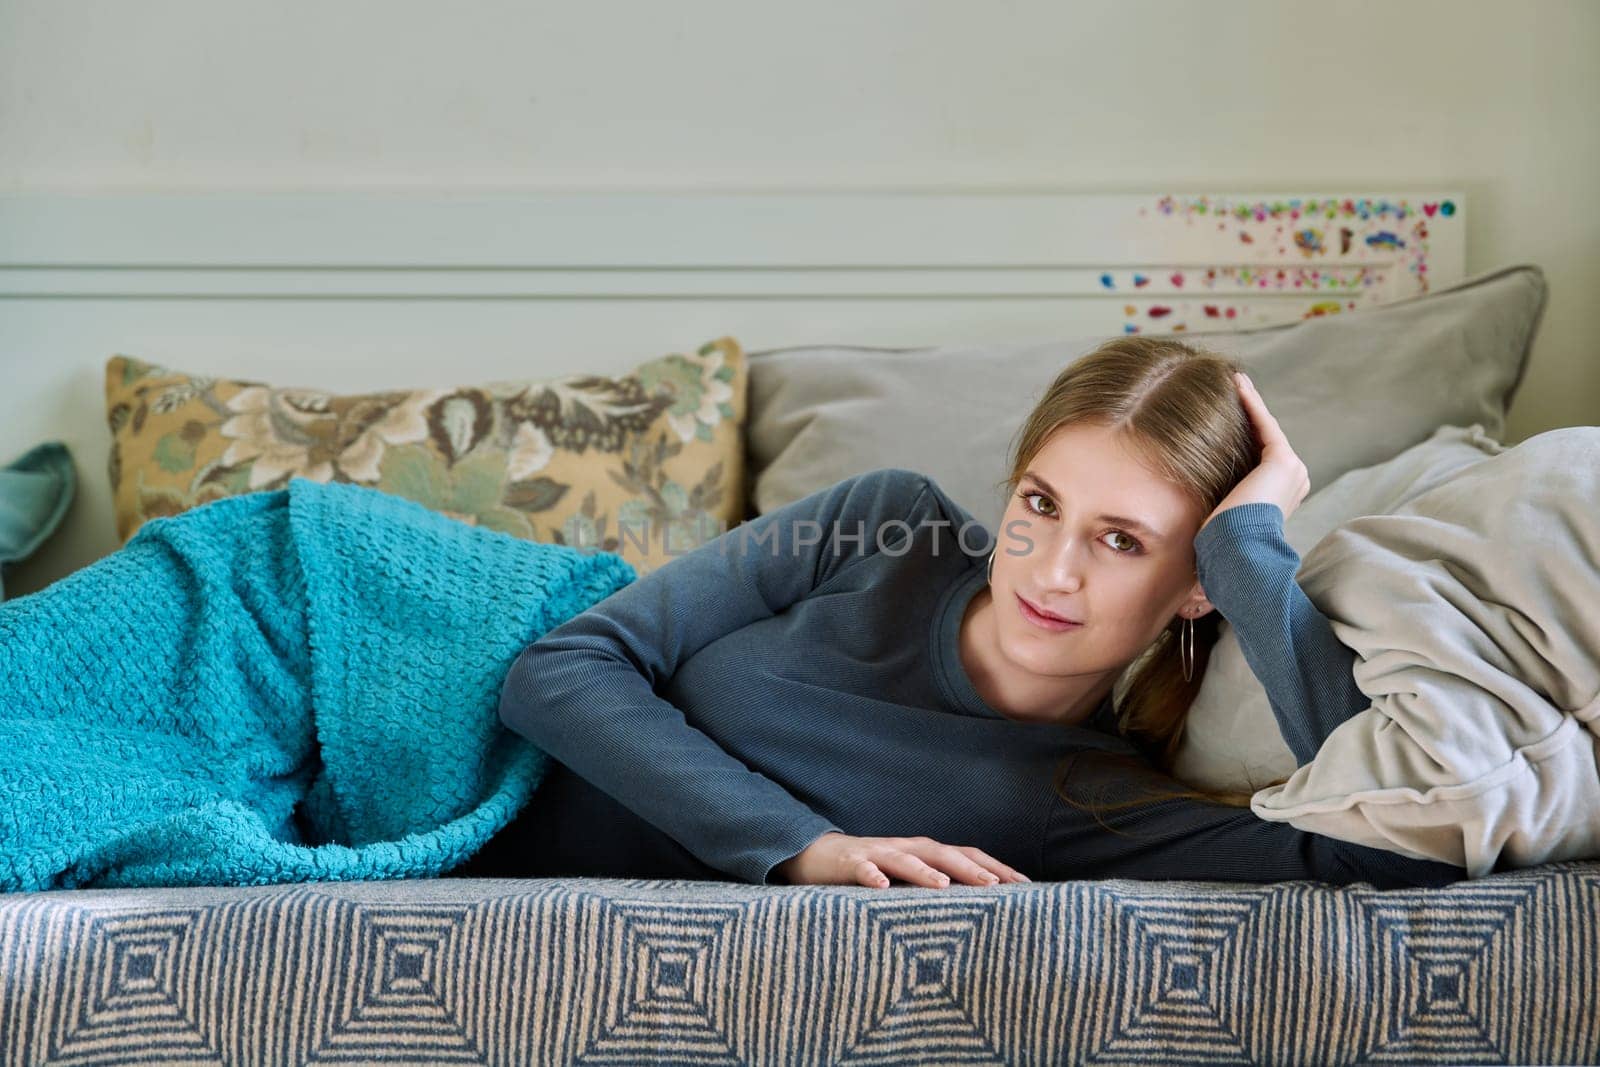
292 685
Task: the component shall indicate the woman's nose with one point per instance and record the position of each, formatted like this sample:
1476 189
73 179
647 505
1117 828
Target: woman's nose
1065 563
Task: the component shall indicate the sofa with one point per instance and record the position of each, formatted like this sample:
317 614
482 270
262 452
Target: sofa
1503 968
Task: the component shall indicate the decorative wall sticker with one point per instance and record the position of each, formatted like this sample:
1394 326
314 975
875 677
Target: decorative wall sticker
1309 240
1278 259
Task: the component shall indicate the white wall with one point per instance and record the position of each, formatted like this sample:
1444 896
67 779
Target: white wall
1499 99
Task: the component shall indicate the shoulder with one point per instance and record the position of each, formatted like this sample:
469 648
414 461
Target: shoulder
900 479
909 492
879 490
879 495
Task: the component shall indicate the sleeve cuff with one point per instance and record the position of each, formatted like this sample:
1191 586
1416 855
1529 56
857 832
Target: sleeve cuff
791 845
1239 548
1240 516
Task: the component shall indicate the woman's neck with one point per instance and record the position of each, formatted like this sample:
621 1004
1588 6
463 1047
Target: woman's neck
1070 701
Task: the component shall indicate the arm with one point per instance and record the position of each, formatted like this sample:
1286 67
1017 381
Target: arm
1185 838
1247 570
586 691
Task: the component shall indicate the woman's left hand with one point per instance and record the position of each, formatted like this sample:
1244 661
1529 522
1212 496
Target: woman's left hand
1280 478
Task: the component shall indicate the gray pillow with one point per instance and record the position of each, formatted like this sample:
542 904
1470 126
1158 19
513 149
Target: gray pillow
1349 390
1232 740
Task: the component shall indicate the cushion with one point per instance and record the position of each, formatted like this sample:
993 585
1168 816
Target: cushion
647 465
1232 740
36 489
1472 607
1349 390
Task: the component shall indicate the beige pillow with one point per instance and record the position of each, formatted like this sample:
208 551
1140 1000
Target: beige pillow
648 465
1472 608
1232 739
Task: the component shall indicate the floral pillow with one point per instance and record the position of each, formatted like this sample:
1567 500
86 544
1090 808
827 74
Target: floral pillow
647 465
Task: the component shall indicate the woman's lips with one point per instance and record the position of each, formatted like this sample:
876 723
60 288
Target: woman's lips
1044 622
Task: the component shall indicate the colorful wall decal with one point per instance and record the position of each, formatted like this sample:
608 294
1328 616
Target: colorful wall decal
1264 260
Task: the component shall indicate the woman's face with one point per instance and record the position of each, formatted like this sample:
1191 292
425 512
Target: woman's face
1057 551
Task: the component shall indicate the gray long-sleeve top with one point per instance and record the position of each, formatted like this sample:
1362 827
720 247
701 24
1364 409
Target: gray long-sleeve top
800 673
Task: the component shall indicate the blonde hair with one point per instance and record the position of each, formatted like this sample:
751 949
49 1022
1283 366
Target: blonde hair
1177 407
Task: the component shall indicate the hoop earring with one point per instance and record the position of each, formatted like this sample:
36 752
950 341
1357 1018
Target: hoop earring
989 574
1187 656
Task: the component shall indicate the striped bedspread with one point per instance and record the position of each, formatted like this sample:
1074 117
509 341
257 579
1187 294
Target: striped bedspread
1504 969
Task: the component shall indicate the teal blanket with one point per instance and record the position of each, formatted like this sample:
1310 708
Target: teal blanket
292 685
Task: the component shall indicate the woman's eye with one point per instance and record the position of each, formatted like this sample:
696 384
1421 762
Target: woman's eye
1133 545
1028 499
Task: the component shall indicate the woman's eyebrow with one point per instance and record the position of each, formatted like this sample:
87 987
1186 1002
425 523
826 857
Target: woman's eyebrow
1121 520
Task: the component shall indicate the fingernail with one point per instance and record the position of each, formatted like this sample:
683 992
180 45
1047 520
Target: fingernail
991 879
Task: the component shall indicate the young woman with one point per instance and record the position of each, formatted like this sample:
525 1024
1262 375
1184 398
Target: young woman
867 685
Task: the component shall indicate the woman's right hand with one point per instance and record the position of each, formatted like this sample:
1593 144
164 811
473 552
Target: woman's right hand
841 859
